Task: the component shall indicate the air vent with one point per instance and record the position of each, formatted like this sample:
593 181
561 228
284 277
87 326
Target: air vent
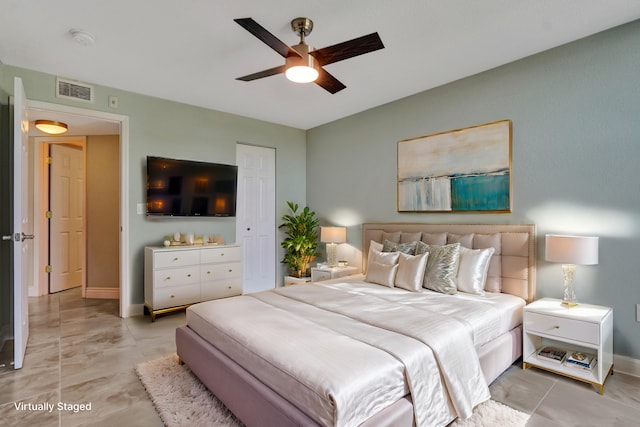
71 89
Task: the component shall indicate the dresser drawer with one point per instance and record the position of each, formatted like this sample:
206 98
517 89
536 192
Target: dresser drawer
166 259
224 254
175 296
220 271
221 288
176 276
563 328
319 275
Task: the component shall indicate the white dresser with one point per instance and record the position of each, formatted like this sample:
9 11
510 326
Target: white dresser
179 276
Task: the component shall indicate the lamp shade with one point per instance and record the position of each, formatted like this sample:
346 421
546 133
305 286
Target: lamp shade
579 250
333 234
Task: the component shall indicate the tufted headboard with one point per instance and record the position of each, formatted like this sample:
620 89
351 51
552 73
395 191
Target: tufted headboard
513 265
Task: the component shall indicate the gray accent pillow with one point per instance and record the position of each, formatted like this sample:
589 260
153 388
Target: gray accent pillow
442 268
405 248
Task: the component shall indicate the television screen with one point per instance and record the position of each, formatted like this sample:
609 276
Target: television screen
190 188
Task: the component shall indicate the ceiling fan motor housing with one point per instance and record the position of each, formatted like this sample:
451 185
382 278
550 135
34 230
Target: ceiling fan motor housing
304 60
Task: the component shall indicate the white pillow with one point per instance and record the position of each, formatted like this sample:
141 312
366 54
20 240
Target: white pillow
388 258
381 274
411 271
376 245
472 271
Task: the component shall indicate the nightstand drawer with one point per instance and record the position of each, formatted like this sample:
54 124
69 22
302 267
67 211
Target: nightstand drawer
318 275
563 328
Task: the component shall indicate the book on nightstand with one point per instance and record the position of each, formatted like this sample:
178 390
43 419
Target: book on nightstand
581 361
552 354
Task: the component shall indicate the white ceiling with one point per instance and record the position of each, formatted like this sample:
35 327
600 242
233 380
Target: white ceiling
191 51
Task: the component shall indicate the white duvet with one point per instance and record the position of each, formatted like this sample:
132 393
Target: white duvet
342 352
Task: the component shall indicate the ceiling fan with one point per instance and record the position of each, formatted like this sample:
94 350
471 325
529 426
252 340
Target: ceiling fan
302 65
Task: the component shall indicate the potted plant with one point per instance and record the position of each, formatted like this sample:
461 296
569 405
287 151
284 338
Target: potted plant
302 239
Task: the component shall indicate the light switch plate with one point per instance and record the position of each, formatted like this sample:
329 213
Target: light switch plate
140 208
637 312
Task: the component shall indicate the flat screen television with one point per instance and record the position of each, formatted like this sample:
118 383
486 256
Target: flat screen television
190 188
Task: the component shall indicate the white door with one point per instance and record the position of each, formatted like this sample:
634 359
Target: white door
66 197
256 216
22 227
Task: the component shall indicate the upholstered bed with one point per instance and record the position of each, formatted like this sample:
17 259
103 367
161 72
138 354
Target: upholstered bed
362 350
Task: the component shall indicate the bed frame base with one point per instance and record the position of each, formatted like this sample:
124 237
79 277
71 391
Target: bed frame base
255 404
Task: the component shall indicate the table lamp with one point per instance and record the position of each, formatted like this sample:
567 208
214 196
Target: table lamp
331 236
571 250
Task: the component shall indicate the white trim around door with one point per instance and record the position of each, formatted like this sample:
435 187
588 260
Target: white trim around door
125 303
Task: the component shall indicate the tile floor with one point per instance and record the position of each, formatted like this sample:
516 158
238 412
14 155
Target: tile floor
80 351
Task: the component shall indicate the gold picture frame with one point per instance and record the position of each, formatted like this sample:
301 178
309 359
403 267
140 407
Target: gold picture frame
463 170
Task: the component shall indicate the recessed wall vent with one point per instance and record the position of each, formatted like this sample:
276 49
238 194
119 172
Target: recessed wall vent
71 89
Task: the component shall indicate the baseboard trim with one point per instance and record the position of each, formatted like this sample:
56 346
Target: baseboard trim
102 293
626 365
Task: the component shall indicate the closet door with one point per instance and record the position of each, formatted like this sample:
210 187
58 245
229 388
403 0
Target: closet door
255 216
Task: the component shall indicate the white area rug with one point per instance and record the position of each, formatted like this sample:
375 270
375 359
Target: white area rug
181 399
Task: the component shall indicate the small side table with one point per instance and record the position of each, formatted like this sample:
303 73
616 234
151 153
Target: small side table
586 328
319 274
290 280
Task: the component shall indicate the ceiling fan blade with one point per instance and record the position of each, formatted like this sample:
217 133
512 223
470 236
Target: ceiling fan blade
264 73
328 82
266 37
348 49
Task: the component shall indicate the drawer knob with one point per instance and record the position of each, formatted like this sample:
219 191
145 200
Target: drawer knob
168 278
172 296
556 327
175 259
188 275
229 287
222 254
208 272
230 270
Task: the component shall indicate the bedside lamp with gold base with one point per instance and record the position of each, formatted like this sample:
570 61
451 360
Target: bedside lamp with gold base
571 250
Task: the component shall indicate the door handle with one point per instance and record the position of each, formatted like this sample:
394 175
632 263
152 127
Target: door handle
8 237
26 237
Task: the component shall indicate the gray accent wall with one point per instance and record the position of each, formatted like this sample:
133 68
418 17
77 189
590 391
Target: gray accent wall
576 147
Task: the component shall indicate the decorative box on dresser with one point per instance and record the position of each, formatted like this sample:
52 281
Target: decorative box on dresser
178 276
584 328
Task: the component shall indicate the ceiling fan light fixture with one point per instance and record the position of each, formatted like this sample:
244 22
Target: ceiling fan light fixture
51 127
302 74
303 68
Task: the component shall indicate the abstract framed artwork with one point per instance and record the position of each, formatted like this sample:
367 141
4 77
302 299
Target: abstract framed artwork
464 170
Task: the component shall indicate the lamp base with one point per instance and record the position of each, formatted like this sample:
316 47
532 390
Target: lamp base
332 258
569 298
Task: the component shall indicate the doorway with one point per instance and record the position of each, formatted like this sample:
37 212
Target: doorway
85 119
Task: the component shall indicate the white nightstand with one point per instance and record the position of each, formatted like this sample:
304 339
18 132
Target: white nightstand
290 280
586 328
319 274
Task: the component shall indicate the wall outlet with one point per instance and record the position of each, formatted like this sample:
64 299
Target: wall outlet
113 101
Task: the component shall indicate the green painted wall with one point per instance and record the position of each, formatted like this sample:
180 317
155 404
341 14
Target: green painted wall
170 129
576 145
